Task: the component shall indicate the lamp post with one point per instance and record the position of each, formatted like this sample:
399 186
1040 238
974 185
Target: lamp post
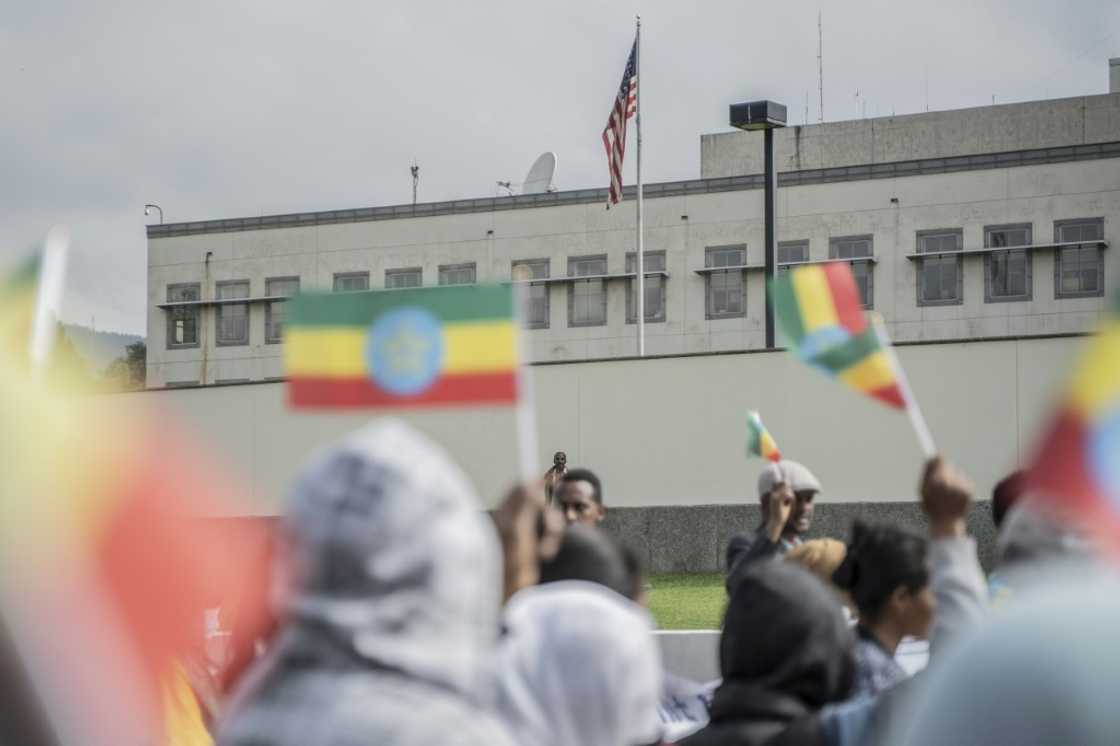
148 211
766 116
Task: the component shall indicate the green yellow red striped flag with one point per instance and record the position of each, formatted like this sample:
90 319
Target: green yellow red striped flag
819 310
1076 465
402 348
759 441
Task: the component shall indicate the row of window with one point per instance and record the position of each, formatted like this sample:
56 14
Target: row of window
1078 269
1078 272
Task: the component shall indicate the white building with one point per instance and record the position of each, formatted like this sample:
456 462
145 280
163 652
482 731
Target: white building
1012 206
981 235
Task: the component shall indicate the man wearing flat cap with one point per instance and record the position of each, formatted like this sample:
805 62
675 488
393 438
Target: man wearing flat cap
786 490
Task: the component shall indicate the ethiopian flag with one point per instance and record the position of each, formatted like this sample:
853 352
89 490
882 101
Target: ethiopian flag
819 310
1077 463
759 441
402 348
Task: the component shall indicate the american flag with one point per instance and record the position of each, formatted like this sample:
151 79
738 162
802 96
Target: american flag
614 136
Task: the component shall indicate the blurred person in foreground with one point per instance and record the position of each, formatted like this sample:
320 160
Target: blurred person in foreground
1042 676
579 497
578 666
885 572
787 491
391 617
785 653
588 554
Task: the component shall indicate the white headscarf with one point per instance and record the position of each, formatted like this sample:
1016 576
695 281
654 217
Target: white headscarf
579 667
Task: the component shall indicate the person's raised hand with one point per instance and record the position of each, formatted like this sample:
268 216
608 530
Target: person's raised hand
779 505
946 498
530 532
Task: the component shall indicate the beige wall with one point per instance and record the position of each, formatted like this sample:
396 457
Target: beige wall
938 134
670 431
969 201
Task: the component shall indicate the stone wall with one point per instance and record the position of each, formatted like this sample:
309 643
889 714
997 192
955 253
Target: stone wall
694 538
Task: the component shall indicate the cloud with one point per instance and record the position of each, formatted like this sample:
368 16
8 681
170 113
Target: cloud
220 109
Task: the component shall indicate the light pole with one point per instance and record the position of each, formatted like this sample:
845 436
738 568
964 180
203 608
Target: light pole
766 116
148 211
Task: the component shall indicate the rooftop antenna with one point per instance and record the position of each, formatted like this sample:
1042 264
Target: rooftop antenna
820 65
806 106
508 186
415 169
539 178
927 87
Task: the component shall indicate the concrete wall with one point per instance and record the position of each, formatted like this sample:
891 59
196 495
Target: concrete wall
669 432
940 134
682 226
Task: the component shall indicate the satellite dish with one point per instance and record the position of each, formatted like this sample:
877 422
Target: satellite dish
539 178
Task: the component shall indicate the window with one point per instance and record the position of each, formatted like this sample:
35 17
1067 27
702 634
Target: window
587 299
182 321
940 280
347 282
1079 270
534 310
277 287
726 292
1007 274
457 274
654 261
403 278
232 320
856 248
791 252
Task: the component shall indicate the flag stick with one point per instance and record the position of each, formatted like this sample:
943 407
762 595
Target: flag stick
917 420
641 266
48 298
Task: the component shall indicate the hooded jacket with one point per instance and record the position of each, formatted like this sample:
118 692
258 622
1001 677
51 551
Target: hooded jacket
785 653
390 614
578 667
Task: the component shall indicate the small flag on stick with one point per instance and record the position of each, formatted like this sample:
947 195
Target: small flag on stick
819 309
759 441
402 348
1077 465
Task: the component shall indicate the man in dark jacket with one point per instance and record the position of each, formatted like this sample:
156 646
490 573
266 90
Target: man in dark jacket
786 490
786 652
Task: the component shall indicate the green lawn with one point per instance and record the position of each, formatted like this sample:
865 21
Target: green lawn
687 600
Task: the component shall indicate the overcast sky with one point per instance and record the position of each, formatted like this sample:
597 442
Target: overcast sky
234 108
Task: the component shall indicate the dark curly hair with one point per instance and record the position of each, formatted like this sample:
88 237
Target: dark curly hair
879 560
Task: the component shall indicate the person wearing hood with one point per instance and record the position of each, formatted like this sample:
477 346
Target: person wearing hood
390 614
578 666
786 652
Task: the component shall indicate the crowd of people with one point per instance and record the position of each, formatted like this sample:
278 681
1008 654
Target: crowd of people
407 615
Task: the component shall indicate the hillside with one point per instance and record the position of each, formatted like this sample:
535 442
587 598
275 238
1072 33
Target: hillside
96 347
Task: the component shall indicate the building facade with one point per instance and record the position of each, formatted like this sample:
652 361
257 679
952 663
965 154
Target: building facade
980 223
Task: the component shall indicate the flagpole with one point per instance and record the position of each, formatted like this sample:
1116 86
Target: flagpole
48 298
917 420
641 265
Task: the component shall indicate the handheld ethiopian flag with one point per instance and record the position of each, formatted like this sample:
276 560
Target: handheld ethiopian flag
759 441
1077 464
820 312
402 348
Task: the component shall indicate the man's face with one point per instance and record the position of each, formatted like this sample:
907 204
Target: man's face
801 515
577 503
560 459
